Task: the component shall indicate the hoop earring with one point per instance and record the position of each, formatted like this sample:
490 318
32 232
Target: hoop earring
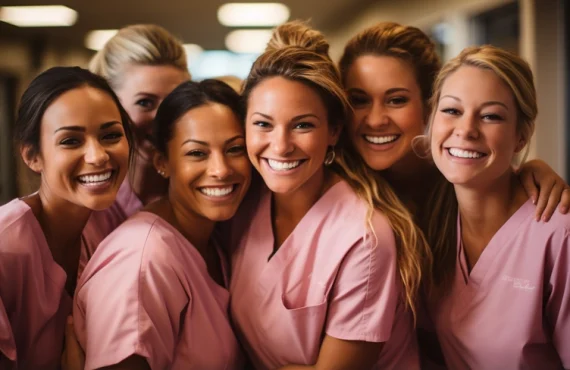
331 155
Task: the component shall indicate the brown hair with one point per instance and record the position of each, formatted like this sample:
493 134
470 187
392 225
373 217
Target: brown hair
517 75
407 43
299 53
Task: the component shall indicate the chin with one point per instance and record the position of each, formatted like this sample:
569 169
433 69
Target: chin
222 215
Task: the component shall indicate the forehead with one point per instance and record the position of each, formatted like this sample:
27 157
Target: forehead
381 72
211 122
277 95
81 106
478 85
156 80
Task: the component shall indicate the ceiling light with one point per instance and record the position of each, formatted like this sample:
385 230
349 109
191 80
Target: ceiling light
38 16
253 14
248 41
96 40
192 51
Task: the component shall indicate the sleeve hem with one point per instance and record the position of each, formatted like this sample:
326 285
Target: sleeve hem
364 337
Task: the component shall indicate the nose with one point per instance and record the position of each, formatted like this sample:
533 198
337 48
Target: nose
467 127
218 167
96 154
377 116
281 142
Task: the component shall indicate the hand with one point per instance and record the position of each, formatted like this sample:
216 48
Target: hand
546 189
73 357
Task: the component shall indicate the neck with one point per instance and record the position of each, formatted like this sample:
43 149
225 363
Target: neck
412 179
146 183
293 206
484 210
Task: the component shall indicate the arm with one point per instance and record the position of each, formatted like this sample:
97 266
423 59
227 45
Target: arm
557 308
132 363
338 354
546 189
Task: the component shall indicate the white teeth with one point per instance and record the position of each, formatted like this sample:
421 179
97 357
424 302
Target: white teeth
217 192
464 153
95 178
281 165
381 139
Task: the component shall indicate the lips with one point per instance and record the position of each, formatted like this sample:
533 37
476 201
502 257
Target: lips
95 179
277 165
217 191
464 153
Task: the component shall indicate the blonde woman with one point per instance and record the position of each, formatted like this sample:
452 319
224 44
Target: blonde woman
503 281
143 64
327 261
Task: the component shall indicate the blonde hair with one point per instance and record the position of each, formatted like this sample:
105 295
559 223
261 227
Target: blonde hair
407 43
517 75
142 44
299 53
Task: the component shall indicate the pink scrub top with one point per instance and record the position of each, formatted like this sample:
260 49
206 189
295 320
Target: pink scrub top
512 311
33 302
146 291
331 275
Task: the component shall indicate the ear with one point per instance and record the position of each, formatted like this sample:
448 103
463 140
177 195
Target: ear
521 144
33 161
161 164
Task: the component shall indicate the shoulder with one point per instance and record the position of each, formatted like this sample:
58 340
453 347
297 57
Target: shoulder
19 228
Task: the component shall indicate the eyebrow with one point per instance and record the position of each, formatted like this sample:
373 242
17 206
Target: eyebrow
145 94
487 103
104 126
296 118
204 143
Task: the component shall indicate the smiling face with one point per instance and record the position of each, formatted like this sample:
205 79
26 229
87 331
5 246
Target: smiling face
474 130
142 89
207 163
388 110
288 134
84 153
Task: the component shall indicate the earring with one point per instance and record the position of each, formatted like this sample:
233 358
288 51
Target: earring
161 173
331 155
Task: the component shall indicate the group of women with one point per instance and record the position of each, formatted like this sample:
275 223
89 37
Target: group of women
317 219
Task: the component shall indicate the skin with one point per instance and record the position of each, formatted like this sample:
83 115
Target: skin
387 101
477 112
287 121
81 134
141 90
207 150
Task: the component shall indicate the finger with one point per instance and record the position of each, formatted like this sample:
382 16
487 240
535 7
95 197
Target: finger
543 199
553 201
529 184
564 201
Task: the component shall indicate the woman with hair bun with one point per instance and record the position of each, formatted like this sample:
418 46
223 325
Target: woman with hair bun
327 261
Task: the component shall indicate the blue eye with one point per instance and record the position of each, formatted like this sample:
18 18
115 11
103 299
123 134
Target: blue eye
146 103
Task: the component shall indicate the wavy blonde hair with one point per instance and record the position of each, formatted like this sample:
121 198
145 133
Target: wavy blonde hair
517 75
299 53
141 44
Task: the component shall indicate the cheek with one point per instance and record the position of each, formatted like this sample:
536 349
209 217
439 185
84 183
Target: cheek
410 120
356 121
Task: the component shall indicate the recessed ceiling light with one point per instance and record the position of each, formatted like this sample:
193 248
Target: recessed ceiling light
248 41
253 14
96 40
192 51
38 16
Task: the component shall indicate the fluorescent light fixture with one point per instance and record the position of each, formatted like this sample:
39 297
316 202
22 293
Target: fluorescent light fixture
216 63
192 51
38 16
253 14
248 41
96 40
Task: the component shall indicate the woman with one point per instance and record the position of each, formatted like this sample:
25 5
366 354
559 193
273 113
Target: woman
321 277
154 295
142 63
388 72
73 132
502 280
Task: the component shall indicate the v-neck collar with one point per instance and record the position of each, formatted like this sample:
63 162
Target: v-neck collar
487 258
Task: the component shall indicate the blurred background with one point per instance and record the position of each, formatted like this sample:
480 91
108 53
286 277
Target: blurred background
219 41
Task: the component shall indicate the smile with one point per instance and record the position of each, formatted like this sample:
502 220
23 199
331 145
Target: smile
217 191
381 139
95 180
283 165
461 153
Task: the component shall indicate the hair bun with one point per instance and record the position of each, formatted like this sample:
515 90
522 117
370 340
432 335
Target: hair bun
298 34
